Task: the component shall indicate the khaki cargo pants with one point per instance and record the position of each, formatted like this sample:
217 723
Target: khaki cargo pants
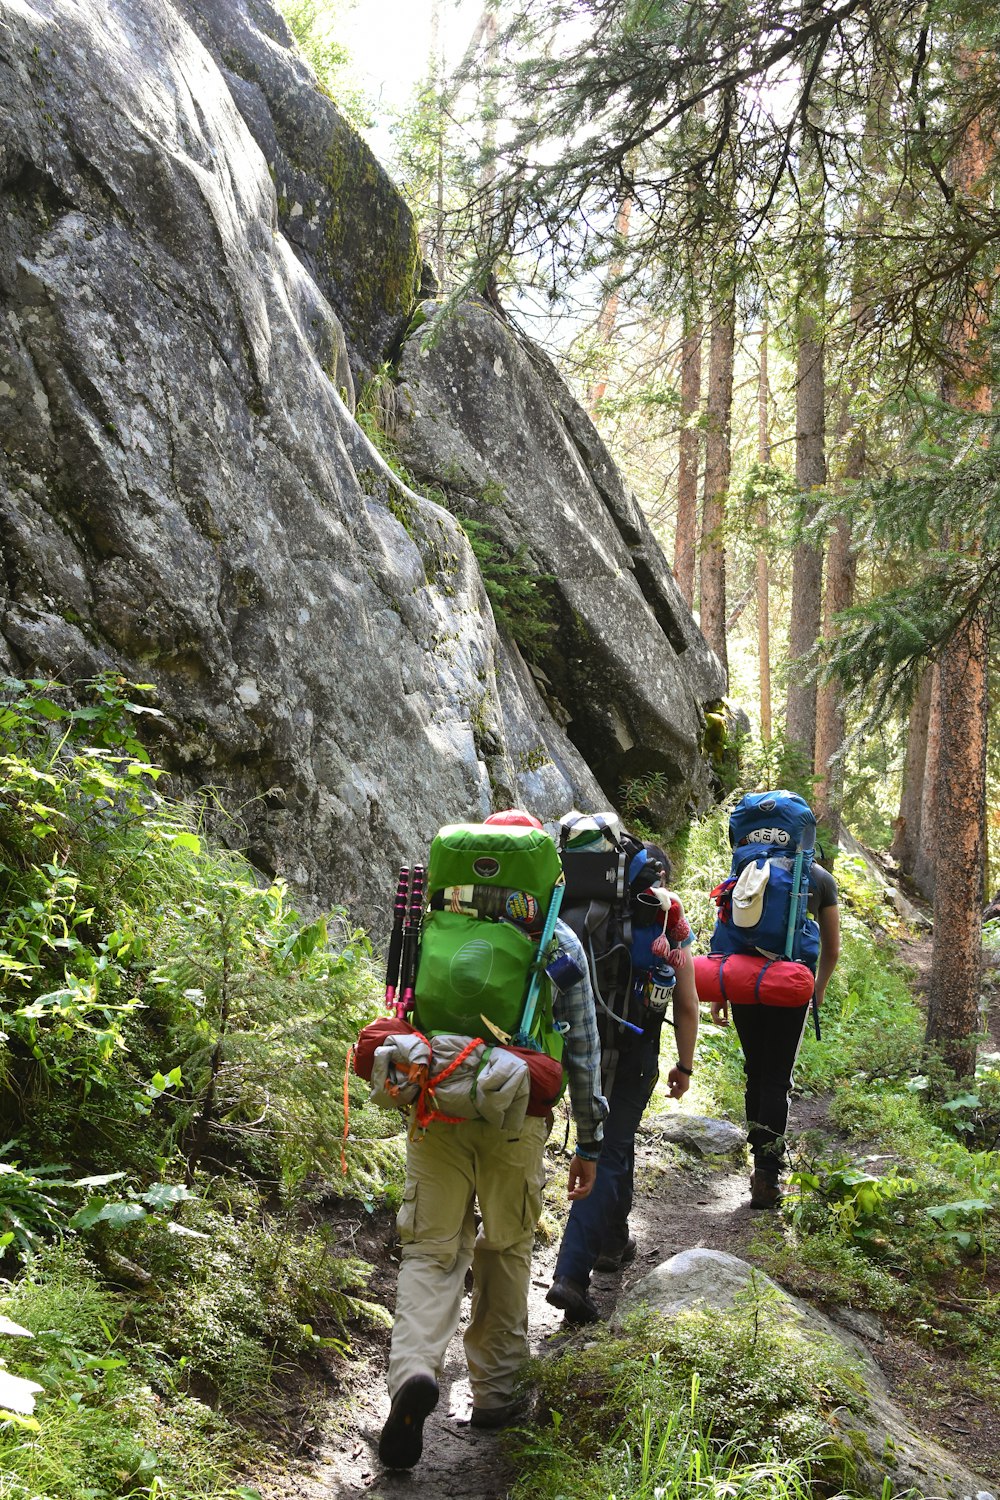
448 1168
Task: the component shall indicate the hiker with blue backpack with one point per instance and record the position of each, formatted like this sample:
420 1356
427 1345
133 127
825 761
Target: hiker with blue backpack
636 938
493 990
774 947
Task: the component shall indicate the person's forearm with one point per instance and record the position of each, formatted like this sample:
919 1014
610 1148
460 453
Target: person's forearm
827 964
686 1016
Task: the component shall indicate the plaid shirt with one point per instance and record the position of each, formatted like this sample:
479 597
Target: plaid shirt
575 1008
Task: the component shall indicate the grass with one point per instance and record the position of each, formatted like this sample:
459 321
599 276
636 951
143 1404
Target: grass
708 1403
171 1098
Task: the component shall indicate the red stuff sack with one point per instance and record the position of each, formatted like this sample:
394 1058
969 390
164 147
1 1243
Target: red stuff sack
372 1036
752 979
545 1079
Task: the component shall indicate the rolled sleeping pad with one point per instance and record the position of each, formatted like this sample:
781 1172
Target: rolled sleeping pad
752 979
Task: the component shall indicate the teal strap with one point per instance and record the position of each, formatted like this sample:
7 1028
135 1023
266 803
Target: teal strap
793 905
530 1004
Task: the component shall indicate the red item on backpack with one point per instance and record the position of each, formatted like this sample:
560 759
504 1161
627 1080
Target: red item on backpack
545 1073
372 1036
545 1076
752 979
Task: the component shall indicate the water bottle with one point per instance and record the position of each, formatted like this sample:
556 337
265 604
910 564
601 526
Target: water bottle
661 986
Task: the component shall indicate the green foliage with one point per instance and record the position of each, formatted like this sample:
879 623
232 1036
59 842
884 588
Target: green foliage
174 1032
515 588
703 1404
939 520
314 24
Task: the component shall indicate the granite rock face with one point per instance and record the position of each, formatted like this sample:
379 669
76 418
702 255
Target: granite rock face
484 415
198 260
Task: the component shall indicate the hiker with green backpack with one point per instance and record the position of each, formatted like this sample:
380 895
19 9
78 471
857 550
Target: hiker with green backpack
489 939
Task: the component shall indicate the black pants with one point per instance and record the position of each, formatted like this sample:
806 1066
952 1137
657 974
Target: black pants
770 1036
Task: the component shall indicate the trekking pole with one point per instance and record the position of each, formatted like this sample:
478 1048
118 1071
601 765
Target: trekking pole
395 952
522 1037
411 940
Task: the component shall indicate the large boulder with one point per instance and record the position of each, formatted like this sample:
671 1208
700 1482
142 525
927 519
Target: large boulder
484 415
185 497
882 1440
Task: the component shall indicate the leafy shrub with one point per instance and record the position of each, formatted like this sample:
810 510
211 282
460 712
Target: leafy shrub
170 1081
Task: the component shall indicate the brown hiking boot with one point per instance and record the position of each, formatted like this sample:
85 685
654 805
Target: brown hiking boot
764 1191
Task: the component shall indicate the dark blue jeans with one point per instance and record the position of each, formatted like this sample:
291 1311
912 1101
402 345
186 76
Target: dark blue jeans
599 1223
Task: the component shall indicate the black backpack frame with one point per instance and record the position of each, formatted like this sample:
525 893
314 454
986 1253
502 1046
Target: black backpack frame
599 906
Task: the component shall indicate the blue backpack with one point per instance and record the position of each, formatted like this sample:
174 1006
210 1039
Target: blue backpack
762 903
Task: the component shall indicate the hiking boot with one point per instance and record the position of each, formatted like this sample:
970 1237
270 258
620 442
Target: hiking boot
573 1299
402 1440
492 1417
764 1191
613 1261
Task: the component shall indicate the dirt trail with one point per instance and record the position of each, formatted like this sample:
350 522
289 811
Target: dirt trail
676 1207
681 1202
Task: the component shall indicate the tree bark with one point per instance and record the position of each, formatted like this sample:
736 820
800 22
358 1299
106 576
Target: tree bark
957 954
925 853
841 571
717 468
437 66
763 581
956 957
686 535
609 311
807 558
906 833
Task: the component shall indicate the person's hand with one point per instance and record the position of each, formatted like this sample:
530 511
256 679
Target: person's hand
677 1083
581 1178
720 1012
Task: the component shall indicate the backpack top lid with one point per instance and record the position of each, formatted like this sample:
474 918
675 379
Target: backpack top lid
501 854
595 831
779 818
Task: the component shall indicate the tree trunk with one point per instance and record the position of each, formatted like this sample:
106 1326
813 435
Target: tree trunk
763 582
686 535
437 68
956 958
925 853
807 559
830 717
609 311
717 466
841 570
906 833
957 954
810 431
487 32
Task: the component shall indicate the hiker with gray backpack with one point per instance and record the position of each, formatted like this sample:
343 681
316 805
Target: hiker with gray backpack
636 938
774 947
491 1014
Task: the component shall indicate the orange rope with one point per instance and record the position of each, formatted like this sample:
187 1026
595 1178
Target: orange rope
424 1116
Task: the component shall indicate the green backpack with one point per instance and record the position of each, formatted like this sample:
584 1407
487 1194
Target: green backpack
490 890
